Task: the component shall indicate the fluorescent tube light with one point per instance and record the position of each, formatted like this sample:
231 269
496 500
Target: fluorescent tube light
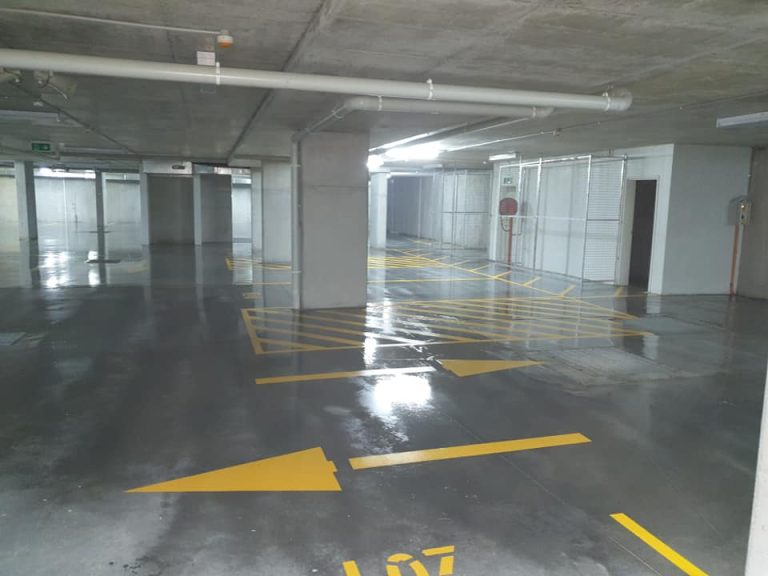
731 121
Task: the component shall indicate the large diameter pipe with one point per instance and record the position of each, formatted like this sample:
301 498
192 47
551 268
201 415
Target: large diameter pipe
373 104
138 69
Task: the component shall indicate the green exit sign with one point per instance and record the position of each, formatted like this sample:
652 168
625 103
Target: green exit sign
41 146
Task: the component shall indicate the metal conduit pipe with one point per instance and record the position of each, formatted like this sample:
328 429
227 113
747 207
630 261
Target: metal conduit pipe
373 104
190 73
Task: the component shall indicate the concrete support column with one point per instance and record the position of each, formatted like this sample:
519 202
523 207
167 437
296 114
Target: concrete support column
332 215
276 212
144 204
256 212
27 206
377 213
212 198
100 227
757 554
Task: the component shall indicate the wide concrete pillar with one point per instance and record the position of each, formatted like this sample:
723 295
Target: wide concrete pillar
332 211
757 555
256 212
276 212
377 212
212 198
25 197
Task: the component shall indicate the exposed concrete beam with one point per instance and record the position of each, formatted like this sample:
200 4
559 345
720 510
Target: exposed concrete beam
326 13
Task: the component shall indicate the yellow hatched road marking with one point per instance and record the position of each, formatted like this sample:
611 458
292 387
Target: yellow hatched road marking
504 328
660 547
531 282
514 311
310 335
341 375
336 329
488 333
467 451
548 323
433 322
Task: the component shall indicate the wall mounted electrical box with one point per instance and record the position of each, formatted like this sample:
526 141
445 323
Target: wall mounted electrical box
745 211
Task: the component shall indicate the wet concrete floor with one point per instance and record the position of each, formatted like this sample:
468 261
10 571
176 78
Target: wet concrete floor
120 376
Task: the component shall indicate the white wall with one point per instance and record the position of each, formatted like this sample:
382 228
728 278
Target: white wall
699 246
9 215
68 200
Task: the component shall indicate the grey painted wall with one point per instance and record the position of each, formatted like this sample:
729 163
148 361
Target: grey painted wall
171 217
334 216
753 271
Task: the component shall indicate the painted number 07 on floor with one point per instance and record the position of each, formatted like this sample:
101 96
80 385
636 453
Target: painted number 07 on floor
414 566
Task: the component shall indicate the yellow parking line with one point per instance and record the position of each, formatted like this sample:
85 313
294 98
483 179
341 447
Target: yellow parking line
568 290
498 276
660 547
503 318
531 282
619 291
304 324
468 451
342 375
312 336
580 336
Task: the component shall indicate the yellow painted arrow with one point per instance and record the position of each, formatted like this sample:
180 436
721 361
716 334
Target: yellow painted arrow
310 471
305 471
473 367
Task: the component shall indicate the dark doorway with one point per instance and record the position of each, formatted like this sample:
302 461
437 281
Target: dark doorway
642 233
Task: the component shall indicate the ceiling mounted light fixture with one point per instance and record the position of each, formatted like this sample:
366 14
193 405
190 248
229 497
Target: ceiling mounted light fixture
500 157
419 152
731 121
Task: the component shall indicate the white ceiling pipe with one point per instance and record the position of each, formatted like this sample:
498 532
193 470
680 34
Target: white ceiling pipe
168 72
373 104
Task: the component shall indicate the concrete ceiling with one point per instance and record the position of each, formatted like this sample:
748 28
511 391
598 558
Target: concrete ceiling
687 62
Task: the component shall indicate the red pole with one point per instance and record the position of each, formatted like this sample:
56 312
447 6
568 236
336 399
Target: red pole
509 242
